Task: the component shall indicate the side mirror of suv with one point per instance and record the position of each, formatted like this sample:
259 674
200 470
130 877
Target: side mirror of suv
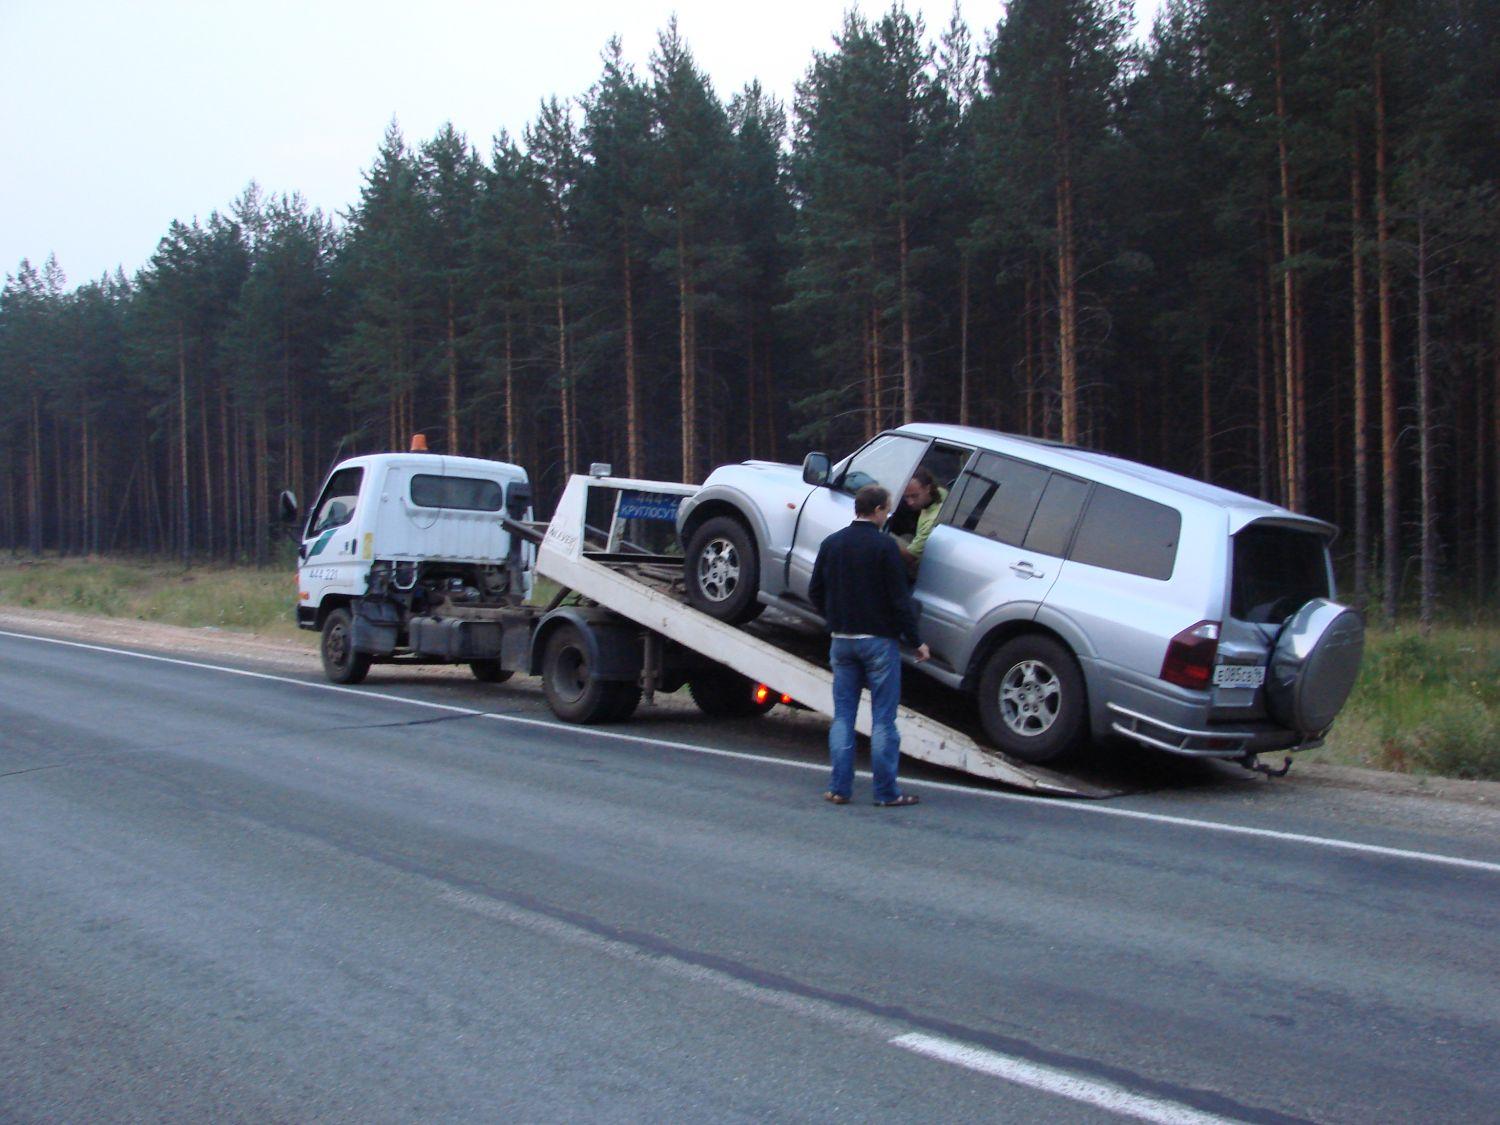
815 468
288 506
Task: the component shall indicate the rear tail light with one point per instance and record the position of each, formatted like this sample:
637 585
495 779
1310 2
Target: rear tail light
1190 656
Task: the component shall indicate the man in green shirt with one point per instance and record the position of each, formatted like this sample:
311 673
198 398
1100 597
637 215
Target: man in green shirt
925 497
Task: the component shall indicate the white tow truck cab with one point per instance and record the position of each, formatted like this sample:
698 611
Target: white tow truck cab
407 555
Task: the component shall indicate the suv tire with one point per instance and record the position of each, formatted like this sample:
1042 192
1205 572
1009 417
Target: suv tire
1032 699
1314 665
721 571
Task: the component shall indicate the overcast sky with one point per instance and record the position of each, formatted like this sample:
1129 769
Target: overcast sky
122 115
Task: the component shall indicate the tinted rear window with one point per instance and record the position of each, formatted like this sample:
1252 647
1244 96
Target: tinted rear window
1127 533
1056 515
467 493
1276 571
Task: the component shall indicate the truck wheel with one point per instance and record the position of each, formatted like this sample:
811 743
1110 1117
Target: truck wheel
1031 700
341 663
489 671
726 694
722 571
627 699
568 682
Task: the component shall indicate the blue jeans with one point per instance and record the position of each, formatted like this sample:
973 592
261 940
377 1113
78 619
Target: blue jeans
875 663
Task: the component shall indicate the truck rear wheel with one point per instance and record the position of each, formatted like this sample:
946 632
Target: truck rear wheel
489 671
725 694
341 663
572 692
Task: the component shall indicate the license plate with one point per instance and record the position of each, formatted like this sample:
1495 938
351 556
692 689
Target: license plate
1239 675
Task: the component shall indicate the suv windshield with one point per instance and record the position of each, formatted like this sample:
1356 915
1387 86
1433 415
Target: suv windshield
1276 571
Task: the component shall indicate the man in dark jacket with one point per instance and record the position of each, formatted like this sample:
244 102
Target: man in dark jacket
859 586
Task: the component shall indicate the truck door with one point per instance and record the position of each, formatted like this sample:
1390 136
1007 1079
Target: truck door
331 560
887 460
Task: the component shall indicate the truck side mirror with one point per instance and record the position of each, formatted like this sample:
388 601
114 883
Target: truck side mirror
815 468
288 506
517 498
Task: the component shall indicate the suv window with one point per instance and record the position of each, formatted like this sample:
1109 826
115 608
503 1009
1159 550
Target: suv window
471 494
886 461
1057 515
1276 571
1128 533
999 497
336 507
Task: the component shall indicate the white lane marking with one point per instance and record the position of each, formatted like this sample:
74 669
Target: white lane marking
1049 1080
1105 1095
710 751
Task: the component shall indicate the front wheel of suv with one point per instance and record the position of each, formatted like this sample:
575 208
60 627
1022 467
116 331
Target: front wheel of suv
722 570
1032 700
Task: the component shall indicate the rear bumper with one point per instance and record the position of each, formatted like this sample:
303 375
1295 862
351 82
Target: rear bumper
1160 715
1209 742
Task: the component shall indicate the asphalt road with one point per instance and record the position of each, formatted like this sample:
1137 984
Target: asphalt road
232 895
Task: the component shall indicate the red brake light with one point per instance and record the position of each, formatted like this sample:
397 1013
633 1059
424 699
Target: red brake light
762 693
1190 656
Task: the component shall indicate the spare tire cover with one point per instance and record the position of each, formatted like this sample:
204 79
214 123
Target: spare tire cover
1314 665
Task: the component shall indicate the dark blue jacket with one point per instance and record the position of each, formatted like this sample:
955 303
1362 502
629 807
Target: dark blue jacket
859 585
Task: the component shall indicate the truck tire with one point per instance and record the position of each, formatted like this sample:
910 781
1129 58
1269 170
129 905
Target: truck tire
572 692
725 694
1032 700
489 671
341 663
721 571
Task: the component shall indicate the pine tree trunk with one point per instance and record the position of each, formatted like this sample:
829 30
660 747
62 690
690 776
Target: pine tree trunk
633 438
1205 407
210 524
1428 595
1291 322
1361 390
1262 393
1389 421
86 514
908 385
1067 294
509 376
185 536
965 407
1028 320
453 444
226 478
564 391
688 372
261 494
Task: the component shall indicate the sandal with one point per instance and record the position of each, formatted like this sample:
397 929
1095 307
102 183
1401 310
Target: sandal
899 802
834 799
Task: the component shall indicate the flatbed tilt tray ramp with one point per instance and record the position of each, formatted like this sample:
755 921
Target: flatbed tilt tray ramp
604 578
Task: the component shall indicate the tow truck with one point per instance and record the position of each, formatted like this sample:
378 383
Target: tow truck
424 558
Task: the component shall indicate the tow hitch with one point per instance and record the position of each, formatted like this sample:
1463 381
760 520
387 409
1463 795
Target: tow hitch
1253 763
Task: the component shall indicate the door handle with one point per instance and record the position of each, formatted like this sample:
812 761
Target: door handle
1026 570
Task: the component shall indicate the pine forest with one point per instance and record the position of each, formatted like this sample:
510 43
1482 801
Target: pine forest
1261 248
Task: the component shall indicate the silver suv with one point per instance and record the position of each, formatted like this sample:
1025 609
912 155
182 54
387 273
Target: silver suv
1072 593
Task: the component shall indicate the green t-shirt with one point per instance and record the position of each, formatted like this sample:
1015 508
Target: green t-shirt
926 521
